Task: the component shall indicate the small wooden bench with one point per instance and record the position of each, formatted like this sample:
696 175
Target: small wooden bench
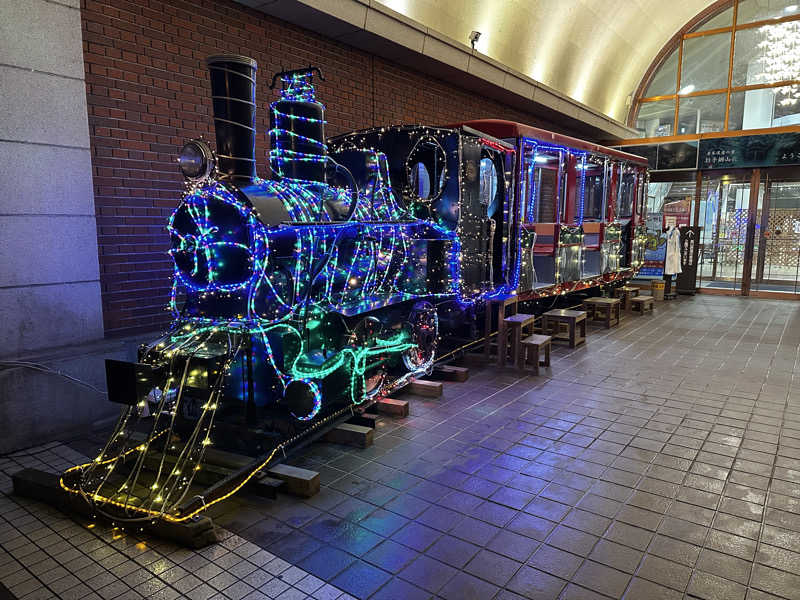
515 324
642 303
605 310
626 293
575 320
532 347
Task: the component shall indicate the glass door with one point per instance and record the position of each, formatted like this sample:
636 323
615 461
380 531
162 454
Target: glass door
724 215
776 259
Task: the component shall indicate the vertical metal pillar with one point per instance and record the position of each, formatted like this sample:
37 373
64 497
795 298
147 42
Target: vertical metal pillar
750 234
698 195
762 233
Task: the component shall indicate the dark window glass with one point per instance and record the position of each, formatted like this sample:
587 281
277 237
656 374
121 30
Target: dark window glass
594 190
648 151
427 167
548 187
528 190
677 155
627 192
420 181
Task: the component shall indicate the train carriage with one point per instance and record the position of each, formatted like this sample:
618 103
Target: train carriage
579 216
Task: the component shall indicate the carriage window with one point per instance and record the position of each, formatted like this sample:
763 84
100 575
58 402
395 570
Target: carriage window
545 188
488 186
420 181
426 168
594 189
527 190
642 191
627 192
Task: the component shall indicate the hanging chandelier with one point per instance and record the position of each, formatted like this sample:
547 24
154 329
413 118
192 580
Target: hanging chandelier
780 59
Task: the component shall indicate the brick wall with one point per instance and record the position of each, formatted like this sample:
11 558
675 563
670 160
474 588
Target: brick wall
148 92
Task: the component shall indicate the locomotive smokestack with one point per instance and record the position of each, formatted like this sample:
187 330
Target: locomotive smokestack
233 92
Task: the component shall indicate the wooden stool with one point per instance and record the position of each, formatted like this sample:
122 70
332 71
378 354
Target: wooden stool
626 293
497 305
575 320
642 303
516 323
531 349
603 309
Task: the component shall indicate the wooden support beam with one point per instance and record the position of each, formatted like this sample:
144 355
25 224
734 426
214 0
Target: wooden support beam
351 435
299 482
749 242
422 387
393 407
451 373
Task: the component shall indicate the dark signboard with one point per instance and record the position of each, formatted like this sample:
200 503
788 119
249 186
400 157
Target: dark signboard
677 155
647 151
768 150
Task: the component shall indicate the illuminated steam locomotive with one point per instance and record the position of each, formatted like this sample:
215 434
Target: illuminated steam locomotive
297 297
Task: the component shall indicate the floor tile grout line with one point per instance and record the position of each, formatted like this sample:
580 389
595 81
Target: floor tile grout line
96 535
754 411
769 488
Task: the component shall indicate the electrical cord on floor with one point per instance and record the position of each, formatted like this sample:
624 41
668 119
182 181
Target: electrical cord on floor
10 364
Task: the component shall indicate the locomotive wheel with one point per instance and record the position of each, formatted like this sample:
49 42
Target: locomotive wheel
423 322
303 399
362 335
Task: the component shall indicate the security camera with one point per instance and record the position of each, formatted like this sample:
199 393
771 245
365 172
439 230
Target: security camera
474 37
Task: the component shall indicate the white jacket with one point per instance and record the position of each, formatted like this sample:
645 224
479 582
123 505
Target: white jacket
672 262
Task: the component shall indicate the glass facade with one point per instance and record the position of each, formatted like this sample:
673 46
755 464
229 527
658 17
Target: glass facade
663 82
739 69
701 114
656 119
761 10
704 65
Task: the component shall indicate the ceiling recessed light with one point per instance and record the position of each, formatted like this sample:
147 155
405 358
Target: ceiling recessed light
790 8
687 90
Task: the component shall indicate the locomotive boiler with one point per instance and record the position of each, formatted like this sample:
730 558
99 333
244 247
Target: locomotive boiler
299 296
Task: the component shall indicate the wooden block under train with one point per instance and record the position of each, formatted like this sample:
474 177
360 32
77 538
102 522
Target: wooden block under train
299 482
351 435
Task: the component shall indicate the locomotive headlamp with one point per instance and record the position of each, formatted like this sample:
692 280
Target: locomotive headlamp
196 161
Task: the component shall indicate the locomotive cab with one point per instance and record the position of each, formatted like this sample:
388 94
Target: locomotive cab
455 179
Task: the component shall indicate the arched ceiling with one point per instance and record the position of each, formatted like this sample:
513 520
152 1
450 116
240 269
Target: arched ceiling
595 51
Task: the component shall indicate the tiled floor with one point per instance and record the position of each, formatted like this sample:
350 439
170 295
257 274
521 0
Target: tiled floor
656 462
44 554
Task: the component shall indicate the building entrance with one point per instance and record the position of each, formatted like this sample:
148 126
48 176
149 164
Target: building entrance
750 241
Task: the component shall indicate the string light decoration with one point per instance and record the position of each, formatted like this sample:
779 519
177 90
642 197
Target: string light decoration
780 59
299 297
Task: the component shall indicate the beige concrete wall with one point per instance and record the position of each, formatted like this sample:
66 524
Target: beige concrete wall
49 278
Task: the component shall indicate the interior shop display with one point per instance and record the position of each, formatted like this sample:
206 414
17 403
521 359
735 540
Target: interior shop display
298 297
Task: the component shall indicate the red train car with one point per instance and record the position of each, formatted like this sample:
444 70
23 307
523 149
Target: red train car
579 210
